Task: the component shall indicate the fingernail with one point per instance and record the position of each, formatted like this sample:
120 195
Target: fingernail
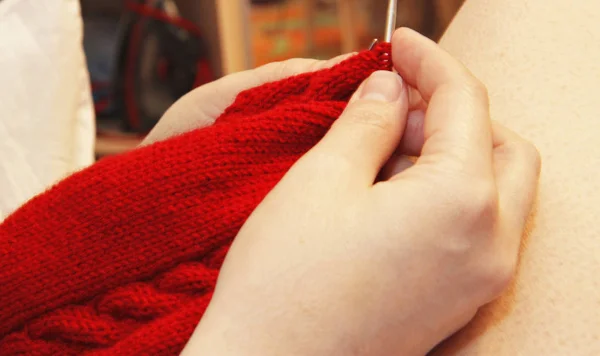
382 86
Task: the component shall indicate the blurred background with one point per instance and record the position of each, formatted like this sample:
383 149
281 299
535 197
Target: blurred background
143 55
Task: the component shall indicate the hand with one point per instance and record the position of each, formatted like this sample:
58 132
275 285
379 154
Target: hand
203 105
356 251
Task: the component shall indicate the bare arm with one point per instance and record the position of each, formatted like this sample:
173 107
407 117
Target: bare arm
541 62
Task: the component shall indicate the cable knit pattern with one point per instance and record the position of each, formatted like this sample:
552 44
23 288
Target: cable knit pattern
122 258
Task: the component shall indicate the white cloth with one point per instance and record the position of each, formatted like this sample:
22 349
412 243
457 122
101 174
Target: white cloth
46 113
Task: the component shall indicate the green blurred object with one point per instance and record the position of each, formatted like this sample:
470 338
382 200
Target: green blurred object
281 46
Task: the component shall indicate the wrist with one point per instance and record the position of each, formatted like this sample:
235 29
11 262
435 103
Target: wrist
232 330
229 331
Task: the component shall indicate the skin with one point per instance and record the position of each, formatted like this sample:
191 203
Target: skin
201 107
467 198
540 62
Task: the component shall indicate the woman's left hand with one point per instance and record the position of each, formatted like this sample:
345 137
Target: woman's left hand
203 105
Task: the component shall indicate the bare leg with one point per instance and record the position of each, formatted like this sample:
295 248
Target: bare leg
541 62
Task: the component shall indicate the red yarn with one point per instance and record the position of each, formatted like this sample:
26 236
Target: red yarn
122 257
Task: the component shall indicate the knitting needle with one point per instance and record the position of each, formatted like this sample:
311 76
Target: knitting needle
390 23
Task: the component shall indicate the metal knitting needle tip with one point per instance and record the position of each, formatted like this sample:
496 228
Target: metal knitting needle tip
375 41
390 21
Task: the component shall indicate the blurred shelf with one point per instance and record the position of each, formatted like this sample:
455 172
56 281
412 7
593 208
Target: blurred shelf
112 145
112 140
234 35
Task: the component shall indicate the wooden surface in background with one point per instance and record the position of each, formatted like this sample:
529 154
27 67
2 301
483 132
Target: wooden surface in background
429 17
229 26
233 32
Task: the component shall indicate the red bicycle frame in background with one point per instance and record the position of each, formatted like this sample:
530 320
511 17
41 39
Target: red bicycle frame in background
144 10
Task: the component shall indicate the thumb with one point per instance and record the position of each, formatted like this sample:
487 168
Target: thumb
370 129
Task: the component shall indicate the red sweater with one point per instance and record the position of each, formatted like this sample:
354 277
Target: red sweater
122 257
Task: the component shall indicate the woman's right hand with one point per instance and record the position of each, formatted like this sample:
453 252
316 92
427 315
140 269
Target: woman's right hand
356 250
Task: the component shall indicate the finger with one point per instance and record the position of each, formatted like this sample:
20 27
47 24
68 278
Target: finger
414 136
517 166
457 126
368 131
200 107
415 100
394 166
413 139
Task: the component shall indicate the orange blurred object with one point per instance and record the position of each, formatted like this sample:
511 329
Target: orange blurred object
280 32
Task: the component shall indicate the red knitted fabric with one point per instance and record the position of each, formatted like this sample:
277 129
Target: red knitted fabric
121 258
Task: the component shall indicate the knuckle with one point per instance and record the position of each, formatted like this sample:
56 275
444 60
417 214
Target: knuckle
476 89
288 67
365 114
497 276
532 156
323 163
281 69
272 67
524 154
478 202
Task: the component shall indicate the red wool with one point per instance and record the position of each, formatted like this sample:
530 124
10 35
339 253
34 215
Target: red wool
122 257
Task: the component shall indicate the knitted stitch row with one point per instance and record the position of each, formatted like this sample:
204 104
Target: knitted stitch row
121 258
